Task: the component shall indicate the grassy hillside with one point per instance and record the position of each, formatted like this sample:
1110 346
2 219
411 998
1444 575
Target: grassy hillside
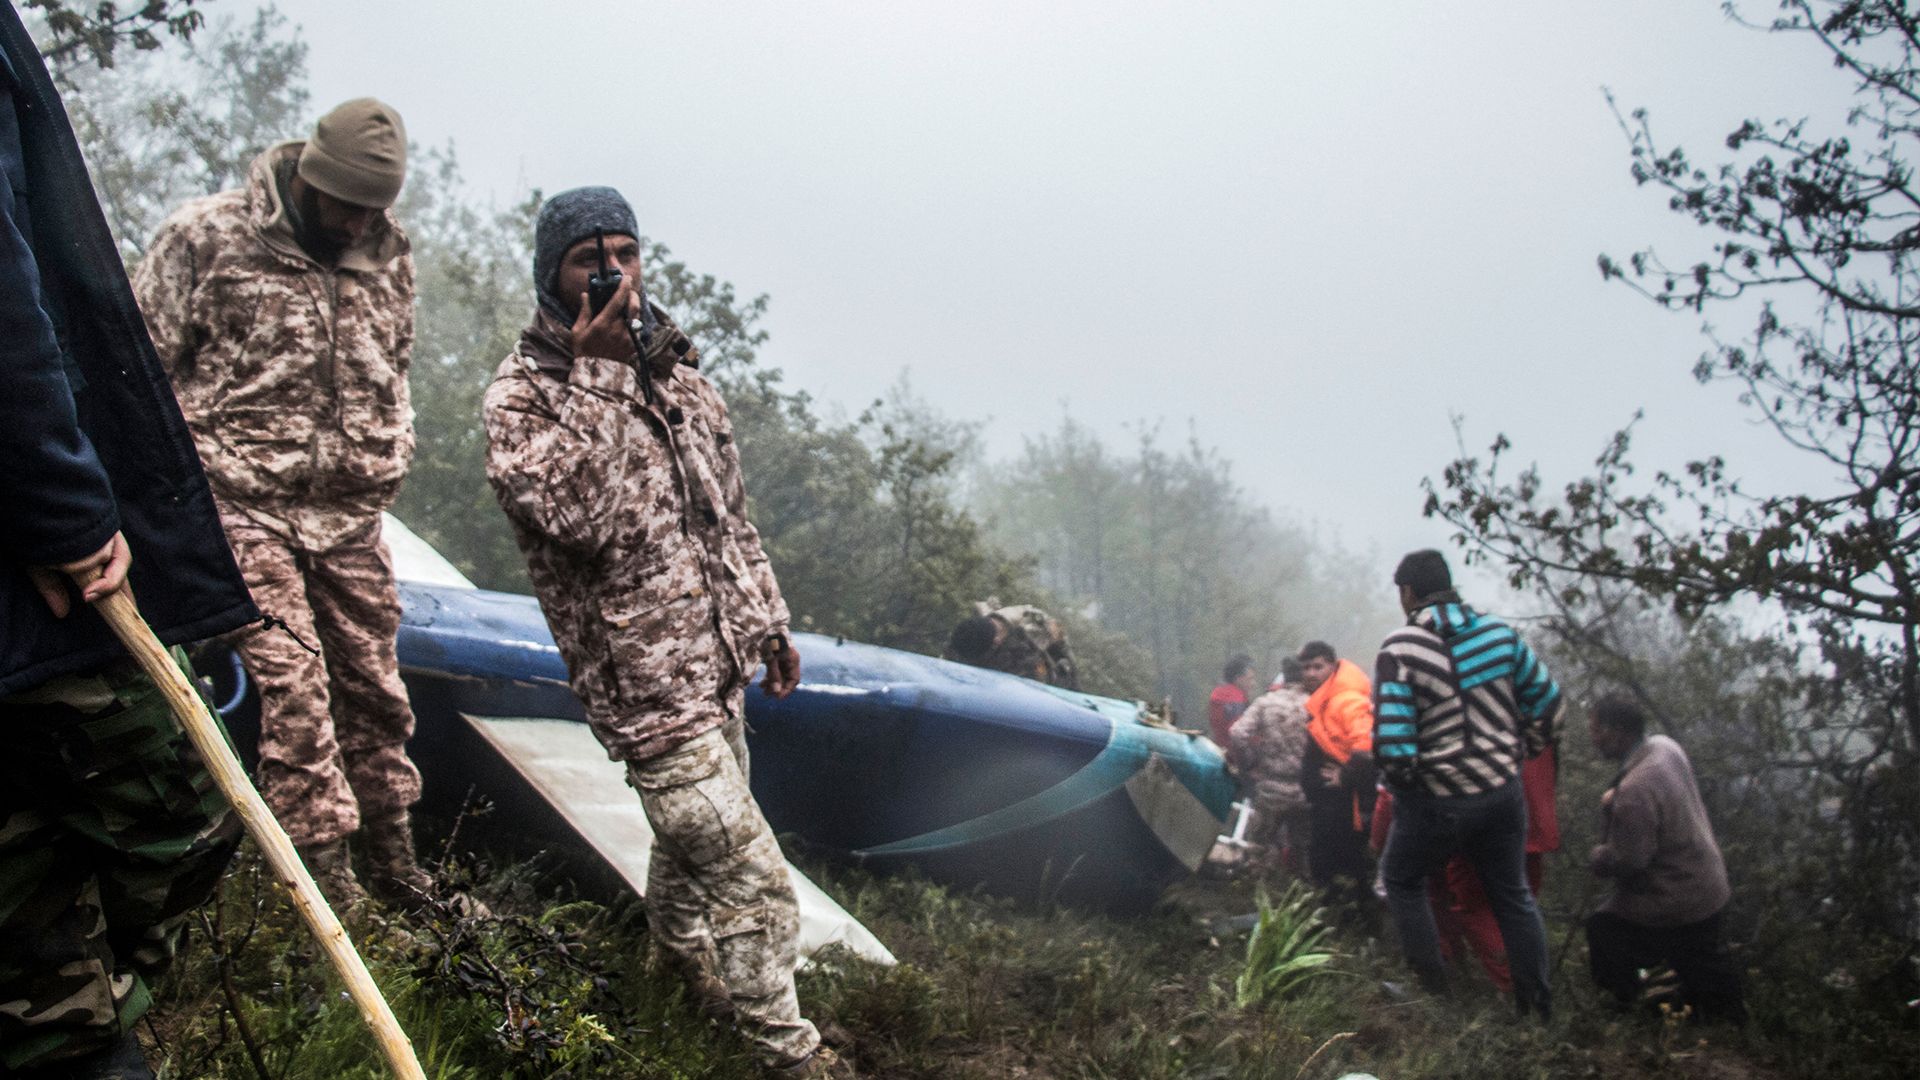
556 986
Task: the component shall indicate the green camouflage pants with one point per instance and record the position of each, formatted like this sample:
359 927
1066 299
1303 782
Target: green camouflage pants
718 894
111 832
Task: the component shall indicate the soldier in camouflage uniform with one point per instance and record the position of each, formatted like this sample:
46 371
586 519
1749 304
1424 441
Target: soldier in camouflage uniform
284 314
111 831
622 482
1265 747
1020 640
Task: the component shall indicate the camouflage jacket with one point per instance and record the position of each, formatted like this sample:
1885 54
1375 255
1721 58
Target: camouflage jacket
292 376
1266 745
633 521
1035 645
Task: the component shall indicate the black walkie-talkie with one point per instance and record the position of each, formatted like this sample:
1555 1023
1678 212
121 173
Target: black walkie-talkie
602 286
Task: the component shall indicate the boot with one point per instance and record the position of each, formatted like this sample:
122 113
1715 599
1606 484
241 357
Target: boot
395 873
822 1064
332 870
392 868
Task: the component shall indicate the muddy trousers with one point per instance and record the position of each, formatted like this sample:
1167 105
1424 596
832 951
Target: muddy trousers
111 833
718 894
333 727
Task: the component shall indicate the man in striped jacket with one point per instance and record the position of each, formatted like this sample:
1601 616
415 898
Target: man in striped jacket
1459 703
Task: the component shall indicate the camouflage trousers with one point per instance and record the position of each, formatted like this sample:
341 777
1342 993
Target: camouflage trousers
111 832
718 894
333 727
1280 824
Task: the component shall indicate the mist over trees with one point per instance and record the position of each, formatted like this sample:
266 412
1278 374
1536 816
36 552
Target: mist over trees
1164 548
885 526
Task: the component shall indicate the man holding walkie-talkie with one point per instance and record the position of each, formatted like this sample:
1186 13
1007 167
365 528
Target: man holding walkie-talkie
614 459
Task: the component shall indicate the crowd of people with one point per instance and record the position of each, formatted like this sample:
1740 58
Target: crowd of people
1432 785
224 430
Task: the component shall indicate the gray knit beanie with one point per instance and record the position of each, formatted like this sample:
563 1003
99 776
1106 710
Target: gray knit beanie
565 220
358 154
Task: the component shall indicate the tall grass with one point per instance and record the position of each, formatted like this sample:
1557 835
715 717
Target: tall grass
560 987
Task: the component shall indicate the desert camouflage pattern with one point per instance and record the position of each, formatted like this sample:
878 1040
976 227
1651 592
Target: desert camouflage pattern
718 895
333 727
111 832
633 521
1265 747
1034 646
292 376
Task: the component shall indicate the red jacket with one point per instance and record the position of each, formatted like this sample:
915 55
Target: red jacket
1224 706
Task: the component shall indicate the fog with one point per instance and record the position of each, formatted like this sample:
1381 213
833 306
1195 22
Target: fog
1313 234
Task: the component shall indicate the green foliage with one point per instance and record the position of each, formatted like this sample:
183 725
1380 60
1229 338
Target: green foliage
984 989
1287 949
1817 850
1805 733
1165 551
159 130
1810 235
94 32
475 295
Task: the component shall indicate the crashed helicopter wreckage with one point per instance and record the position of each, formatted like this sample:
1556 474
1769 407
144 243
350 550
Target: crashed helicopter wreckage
892 759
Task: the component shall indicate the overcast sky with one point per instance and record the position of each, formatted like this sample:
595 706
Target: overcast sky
1315 231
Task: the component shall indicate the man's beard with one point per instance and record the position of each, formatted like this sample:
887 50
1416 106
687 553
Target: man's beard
324 246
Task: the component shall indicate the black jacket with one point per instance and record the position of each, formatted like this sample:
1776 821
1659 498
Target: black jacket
91 440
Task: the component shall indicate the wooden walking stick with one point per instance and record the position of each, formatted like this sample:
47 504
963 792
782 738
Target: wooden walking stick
118 609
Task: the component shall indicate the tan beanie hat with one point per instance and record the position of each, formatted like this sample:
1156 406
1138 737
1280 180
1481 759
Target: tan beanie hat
358 153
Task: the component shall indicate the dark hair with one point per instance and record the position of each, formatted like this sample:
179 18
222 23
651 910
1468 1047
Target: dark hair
1236 667
1425 572
1290 670
972 639
1317 650
1620 713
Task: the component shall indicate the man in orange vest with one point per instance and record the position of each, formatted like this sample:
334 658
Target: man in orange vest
1337 772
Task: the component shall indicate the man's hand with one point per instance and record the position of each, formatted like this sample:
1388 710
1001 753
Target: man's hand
783 671
110 563
1330 772
606 334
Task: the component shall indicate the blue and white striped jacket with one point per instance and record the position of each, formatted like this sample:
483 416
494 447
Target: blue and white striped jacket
1459 702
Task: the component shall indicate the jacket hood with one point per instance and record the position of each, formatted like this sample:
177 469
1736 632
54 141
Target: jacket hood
1448 618
383 243
1346 677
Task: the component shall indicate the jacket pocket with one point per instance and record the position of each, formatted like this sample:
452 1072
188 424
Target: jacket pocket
374 461
264 452
646 633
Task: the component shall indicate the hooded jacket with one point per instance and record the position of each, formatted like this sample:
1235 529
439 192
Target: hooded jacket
292 375
633 519
1462 702
92 439
1340 730
1341 712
